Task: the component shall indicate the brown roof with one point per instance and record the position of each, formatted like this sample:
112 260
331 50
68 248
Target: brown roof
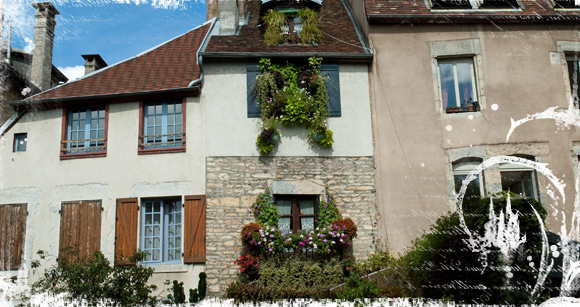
172 65
418 11
340 36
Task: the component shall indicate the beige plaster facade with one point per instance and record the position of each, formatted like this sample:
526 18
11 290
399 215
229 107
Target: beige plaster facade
519 70
40 179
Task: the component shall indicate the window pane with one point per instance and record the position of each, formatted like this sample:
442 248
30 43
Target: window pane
171 108
518 182
157 230
473 188
156 243
178 108
158 109
284 222
147 242
307 223
307 206
156 255
464 74
284 207
448 96
150 109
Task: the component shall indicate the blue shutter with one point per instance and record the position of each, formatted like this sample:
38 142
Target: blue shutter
252 72
333 88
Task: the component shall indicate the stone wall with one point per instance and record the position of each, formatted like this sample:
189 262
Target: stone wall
233 183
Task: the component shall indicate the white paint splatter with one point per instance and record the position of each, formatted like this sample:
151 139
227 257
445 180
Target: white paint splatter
422 164
494 107
448 127
470 117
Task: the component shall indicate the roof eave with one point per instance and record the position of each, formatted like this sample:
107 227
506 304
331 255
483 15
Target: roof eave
110 98
366 58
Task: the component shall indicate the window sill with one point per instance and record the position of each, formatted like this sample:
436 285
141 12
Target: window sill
463 114
160 150
83 155
167 267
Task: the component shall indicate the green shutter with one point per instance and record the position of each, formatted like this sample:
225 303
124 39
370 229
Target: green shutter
252 72
333 88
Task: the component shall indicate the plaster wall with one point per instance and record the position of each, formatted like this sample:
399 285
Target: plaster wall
39 178
234 134
519 72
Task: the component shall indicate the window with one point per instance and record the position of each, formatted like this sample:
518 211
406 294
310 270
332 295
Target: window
297 212
332 87
161 230
162 127
566 4
474 4
161 234
461 170
574 77
457 85
80 229
20 140
519 180
12 235
86 132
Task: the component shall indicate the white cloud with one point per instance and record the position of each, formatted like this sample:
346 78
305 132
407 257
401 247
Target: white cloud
73 72
29 45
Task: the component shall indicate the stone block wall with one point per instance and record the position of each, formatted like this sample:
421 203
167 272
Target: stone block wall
233 183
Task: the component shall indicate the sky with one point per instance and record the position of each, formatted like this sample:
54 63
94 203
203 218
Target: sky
115 29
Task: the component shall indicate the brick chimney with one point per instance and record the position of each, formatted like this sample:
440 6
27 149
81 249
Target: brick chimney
93 62
212 9
43 43
229 17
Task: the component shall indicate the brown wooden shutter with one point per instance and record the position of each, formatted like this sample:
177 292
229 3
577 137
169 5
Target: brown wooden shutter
12 235
194 219
126 230
80 229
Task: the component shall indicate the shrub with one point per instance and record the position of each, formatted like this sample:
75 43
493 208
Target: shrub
94 280
249 230
347 225
357 288
441 265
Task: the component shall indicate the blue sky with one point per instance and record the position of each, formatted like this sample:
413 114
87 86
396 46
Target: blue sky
115 29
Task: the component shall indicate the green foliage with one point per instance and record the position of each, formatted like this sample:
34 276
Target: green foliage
327 211
293 95
94 280
178 296
273 21
441 265
193 296
202 285
357 288
310 32
301 274
265 209
380 259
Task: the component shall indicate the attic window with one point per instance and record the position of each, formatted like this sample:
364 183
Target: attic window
474 4
566 4
291 22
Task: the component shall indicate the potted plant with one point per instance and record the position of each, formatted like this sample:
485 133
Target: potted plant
453 109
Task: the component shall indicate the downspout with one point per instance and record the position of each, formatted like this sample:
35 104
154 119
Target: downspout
199 57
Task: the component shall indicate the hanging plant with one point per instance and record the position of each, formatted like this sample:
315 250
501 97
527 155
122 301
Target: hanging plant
274 21
310 32
292 95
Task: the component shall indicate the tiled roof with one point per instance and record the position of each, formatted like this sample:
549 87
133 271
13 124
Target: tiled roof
172 65
418 11
340 36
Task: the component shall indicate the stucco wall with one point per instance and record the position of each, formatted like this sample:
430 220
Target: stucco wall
520 74
39 178
234 134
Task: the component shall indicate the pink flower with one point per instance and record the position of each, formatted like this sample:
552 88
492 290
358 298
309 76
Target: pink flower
301 243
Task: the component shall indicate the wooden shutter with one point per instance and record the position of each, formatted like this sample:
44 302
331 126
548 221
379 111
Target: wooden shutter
12 235
333 88
126 230
574 69
194 219
252 71
80 229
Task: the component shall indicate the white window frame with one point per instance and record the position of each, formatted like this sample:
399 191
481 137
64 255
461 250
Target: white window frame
454 62
465 168
509 167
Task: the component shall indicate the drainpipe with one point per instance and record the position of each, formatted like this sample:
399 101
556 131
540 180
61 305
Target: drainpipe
199 57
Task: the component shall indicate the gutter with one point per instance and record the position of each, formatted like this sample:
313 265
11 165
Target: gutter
28 102
436 17
199 53
350 57
11 121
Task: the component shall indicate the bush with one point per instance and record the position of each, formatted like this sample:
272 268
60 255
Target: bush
357 288
94 280
441 265
347 225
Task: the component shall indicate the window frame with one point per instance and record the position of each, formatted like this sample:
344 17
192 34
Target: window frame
164 235
574 60
463 168
295 216
65 136
454 61
17 138
142 150
557 5
475 5
513 168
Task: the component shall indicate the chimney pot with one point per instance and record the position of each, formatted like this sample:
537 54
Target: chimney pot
43 44
93 62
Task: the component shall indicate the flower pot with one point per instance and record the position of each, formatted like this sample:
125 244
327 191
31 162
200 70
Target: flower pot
318 136
275 138
470 108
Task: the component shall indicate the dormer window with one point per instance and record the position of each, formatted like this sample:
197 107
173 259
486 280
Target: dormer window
474 4
291 22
